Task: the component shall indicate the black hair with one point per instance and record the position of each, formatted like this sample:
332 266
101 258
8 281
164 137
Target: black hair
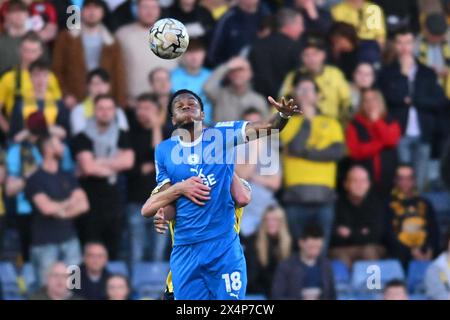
180 92
103 96
395 283
148 97
32 37
250 110
312 231
39 64
402 31
301 77
98 72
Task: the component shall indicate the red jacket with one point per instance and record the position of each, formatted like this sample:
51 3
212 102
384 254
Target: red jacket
374 144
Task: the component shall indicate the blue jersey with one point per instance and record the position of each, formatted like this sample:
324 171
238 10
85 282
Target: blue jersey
211 157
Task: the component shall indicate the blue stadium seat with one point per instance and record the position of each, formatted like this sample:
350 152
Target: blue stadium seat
148 278
416 276
417 297
29 275
341 275
388 270
8 279
118 267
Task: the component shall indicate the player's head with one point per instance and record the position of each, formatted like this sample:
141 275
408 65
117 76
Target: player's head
31 48
186 107
395 290
99 82
93 12
39 73
104 110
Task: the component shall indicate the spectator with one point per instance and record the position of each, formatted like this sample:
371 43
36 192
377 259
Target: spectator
306 275
358 228
432 47
22 160
15 24
411 228
87 48
45 23
395 290
102 151
217 7
263 185
145 134
196 18
161 85
232 100
363 79
40 99
313 144
98 82
317 20
117 288
271 245
56 285
445 164
124 14
372 137
56 200
414 98
333 88
134 41
345 48
269 63
358 13
400 14
192 75
237 29
2 197
437 278
16 84
93 272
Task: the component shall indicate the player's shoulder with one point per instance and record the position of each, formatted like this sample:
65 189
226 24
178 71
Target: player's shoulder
229 124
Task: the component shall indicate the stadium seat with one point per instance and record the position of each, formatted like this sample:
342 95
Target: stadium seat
341 275
118 267
388 270
8 278
255 297
417 297
149 279
416 276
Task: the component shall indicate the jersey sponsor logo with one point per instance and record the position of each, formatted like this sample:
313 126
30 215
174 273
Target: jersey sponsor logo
208 180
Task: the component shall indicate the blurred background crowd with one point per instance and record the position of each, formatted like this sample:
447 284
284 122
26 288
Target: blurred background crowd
363 172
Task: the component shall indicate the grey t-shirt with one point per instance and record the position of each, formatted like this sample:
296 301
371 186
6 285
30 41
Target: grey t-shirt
92 44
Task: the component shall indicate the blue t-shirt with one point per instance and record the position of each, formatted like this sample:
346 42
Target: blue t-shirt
211 157
14 163
181 79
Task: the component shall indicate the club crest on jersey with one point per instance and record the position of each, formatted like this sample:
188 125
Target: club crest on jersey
193 159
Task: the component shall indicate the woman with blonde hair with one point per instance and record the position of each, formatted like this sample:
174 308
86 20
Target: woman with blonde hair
271 244
372 137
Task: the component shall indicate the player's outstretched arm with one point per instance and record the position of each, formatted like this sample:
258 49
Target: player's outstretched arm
277 122
192 188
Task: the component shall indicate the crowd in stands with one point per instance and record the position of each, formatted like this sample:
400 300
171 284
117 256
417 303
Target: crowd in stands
364 172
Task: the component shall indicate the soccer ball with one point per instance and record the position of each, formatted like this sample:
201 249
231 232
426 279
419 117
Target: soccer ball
168 38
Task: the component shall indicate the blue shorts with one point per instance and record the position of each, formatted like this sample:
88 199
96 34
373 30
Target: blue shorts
209 270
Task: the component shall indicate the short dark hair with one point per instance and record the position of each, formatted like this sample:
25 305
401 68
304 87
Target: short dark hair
311 231
104 97
395 283
402 31
251 110
148 97
285 16
345 30
301 77
152 73
196 44
98 72
16 5
98 3
180 92
39 64
32 37
121 276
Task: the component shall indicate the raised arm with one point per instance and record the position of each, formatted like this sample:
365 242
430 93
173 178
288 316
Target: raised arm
277 121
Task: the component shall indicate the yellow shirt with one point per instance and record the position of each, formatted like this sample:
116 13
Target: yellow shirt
369 21
334 90
325 131
8 88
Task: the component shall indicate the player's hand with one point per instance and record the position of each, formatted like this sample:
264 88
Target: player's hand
287 108
159 221
194 189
